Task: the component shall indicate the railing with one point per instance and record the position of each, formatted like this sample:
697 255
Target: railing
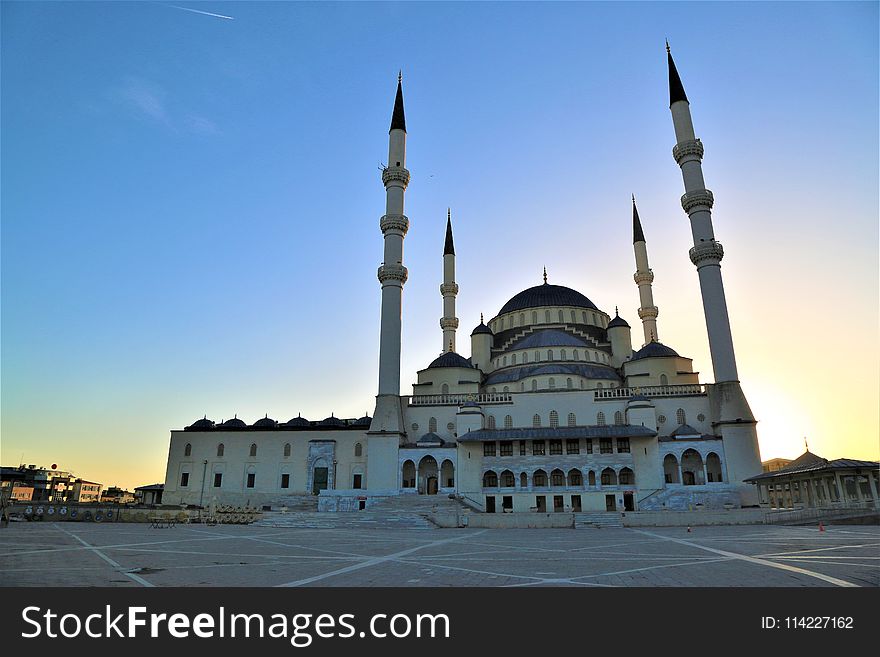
797 515
469 502
461 398
687 390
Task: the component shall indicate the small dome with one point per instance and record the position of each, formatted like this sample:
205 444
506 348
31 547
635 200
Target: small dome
481 330
618 321
200 425
265 423
234 423
331 422
450 359
654 350
547 295
298 421
364 421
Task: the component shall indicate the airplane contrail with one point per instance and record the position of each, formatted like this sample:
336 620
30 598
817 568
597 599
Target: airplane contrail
206 13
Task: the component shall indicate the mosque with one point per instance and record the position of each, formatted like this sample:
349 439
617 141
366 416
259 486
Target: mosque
554 410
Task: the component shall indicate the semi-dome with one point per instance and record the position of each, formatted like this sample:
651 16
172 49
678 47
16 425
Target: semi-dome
265 423
547 295
450 359
200 425
654 350
234 423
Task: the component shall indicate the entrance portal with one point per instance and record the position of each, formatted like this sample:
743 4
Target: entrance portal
628 503
431 486
610 503
428 476
319 482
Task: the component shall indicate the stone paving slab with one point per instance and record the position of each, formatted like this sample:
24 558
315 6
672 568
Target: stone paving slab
81 554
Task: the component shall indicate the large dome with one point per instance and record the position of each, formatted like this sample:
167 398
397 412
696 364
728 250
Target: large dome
547 295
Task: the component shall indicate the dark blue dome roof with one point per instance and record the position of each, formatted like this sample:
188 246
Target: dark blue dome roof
332 422
547 295
654 350
481 328
202 424
364 421
234 423
450 359
298 421
618 321
265 423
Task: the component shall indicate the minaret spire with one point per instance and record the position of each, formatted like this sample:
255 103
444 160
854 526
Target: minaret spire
706 253
449 289
644 278
392 275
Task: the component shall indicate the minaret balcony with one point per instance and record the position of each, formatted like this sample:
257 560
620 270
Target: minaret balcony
398 223
392 273
449 288
649 312
688 151
395 175
706 253
449 323
642 277
699 199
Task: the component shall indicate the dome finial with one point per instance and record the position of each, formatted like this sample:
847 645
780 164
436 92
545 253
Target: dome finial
668 52
806 446
545 276
400 71
481 321
616 314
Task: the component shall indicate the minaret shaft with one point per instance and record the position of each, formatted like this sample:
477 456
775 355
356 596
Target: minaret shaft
706 253
644 279
448 290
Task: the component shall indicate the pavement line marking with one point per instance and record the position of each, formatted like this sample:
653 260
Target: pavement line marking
540 580
118 567
376 560
664 565
755 560
824 549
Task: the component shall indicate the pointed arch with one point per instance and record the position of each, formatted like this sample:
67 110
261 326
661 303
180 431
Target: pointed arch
253 449
188 450
432 425
554 419
221 450
536 420
508 422
572 420
286 450
600 419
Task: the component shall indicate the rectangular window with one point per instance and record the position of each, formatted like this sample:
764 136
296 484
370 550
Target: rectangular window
522 447
506 448
623 445
538 447
556 447
184 479
357 481
605 446
489 449
572 446
285 480
251 478
218 479
589 445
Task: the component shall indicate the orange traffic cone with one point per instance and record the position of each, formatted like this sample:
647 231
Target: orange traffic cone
821 526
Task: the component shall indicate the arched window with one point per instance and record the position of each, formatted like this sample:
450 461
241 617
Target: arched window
504 361
494 390
539 478
502 323
188 450
561 317
513 359
505 389
507 479
572 420
221 449
664 380
432 425
522 386
576 356
546 316
522 319
569 383
670 469
713 468
584 315
609 477
490 422
534 385
552 383
534 317
549 354
618 418
680 416
537 356
557 478
523 480
525 357
575 478
358 449
600 385
490 479
408 474
591 478
572 317
287 450
554 419
536 420
600 419
444 389
253 449
626 477
582 384
508 422
593 317
562 355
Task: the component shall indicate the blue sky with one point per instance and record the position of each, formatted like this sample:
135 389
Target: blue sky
190 204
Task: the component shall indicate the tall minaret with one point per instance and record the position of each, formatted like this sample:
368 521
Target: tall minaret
706 253
644 277
392 274
448 289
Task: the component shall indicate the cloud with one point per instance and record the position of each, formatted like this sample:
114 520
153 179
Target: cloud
145 98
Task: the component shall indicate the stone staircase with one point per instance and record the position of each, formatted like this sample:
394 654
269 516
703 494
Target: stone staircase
685 498
397 512
297 503
597 520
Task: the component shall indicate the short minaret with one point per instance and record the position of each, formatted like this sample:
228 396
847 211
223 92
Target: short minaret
706 253
449 289
392 274
644 277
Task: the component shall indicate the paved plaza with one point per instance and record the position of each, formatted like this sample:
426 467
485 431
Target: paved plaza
88 554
